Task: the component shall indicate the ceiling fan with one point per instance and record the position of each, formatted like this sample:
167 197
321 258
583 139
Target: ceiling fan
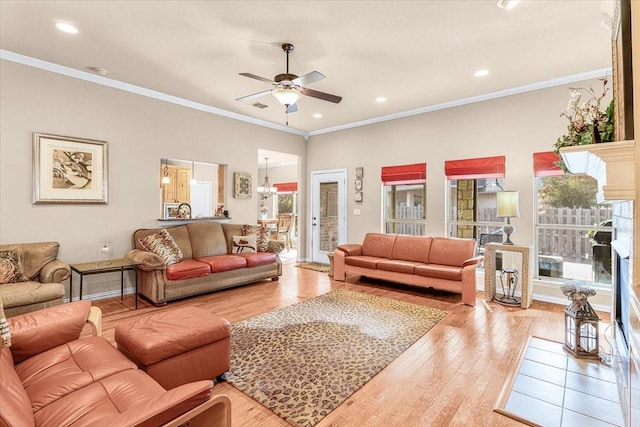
288 88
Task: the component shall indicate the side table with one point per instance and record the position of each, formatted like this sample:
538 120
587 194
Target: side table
490 271
113 265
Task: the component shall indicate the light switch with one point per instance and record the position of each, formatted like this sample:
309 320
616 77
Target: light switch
356 211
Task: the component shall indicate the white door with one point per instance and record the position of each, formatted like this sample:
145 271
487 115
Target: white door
200 199
328 213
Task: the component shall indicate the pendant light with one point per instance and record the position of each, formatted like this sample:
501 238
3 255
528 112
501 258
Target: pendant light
165 173
266 190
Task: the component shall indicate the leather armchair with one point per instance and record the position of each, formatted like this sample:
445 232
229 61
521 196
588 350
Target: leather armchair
52 377
45 273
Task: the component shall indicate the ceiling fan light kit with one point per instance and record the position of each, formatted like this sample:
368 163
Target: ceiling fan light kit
288 88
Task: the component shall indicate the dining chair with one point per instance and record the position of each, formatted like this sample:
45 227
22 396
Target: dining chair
283 229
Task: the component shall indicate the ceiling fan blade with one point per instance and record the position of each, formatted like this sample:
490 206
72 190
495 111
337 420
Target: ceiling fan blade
292 108
253 76
311 77
254 96
321 95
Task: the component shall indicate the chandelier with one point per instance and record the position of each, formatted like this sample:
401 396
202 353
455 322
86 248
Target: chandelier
266 190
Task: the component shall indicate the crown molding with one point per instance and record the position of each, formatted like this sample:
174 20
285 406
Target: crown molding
83 75
115 84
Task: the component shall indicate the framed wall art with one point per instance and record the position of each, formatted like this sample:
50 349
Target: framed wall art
242 185
171 210
69 170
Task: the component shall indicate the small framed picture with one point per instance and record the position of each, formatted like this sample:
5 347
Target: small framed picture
359 184
171 210
242 185
360 172
359 196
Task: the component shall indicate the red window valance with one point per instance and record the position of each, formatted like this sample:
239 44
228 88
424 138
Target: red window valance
485 167
546 164
404 174
287 187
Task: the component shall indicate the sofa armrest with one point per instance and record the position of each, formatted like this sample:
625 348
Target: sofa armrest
146 260
38 331
216 412
54 272
352 249
473 261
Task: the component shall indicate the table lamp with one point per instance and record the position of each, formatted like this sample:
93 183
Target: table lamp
508 208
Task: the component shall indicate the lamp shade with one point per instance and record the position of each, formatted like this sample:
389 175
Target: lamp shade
508 204
287 96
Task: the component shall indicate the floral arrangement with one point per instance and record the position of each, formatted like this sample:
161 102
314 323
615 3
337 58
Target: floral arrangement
578 295
588 122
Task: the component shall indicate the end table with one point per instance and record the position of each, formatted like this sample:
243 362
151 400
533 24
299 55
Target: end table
110 266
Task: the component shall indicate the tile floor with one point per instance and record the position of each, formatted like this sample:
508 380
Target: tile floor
552 388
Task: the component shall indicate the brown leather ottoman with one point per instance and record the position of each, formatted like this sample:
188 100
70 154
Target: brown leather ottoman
179 346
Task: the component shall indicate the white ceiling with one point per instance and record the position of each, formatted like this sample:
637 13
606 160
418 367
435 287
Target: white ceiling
419 54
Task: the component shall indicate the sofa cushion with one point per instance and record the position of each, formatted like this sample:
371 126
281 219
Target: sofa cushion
187 269
128 398
261 233
260 258
397 266
378 245
11 269
28 293
362 261
440 271
15 407
60 371
224 262
5 333
412 248
163 245
451 251
207 239
244 244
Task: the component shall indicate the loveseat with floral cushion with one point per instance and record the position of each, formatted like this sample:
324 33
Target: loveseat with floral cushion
201 257
31 277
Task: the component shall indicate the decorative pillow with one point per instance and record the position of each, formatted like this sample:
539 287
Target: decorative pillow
262 236
244 244
11 265
5 335
163 245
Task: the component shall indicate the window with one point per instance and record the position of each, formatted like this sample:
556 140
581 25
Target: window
473 185
573 231
286 201
404 199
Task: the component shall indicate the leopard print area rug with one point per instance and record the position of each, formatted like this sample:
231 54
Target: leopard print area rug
304 360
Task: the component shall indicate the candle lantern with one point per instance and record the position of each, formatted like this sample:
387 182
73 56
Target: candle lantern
581 336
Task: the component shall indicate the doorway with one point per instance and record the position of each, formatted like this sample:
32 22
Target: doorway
328 213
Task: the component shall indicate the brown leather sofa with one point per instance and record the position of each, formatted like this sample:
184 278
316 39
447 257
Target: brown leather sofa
209 262
434 262
45 273
51 377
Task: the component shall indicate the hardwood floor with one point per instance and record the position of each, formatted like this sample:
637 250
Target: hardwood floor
451 376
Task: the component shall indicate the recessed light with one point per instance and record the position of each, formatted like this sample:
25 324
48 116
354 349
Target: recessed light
317 116
508 4
481 73
67 27
381 99
99 71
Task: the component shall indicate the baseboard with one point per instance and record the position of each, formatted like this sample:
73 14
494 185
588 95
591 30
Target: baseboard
103 295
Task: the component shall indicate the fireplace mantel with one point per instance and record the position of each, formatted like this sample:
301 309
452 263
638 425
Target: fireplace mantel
611 163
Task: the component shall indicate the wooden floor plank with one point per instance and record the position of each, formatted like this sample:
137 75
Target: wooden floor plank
451 376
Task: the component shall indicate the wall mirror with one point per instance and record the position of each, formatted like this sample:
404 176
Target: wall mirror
199 184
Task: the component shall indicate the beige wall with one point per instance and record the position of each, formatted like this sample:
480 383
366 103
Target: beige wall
139 131
515 126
